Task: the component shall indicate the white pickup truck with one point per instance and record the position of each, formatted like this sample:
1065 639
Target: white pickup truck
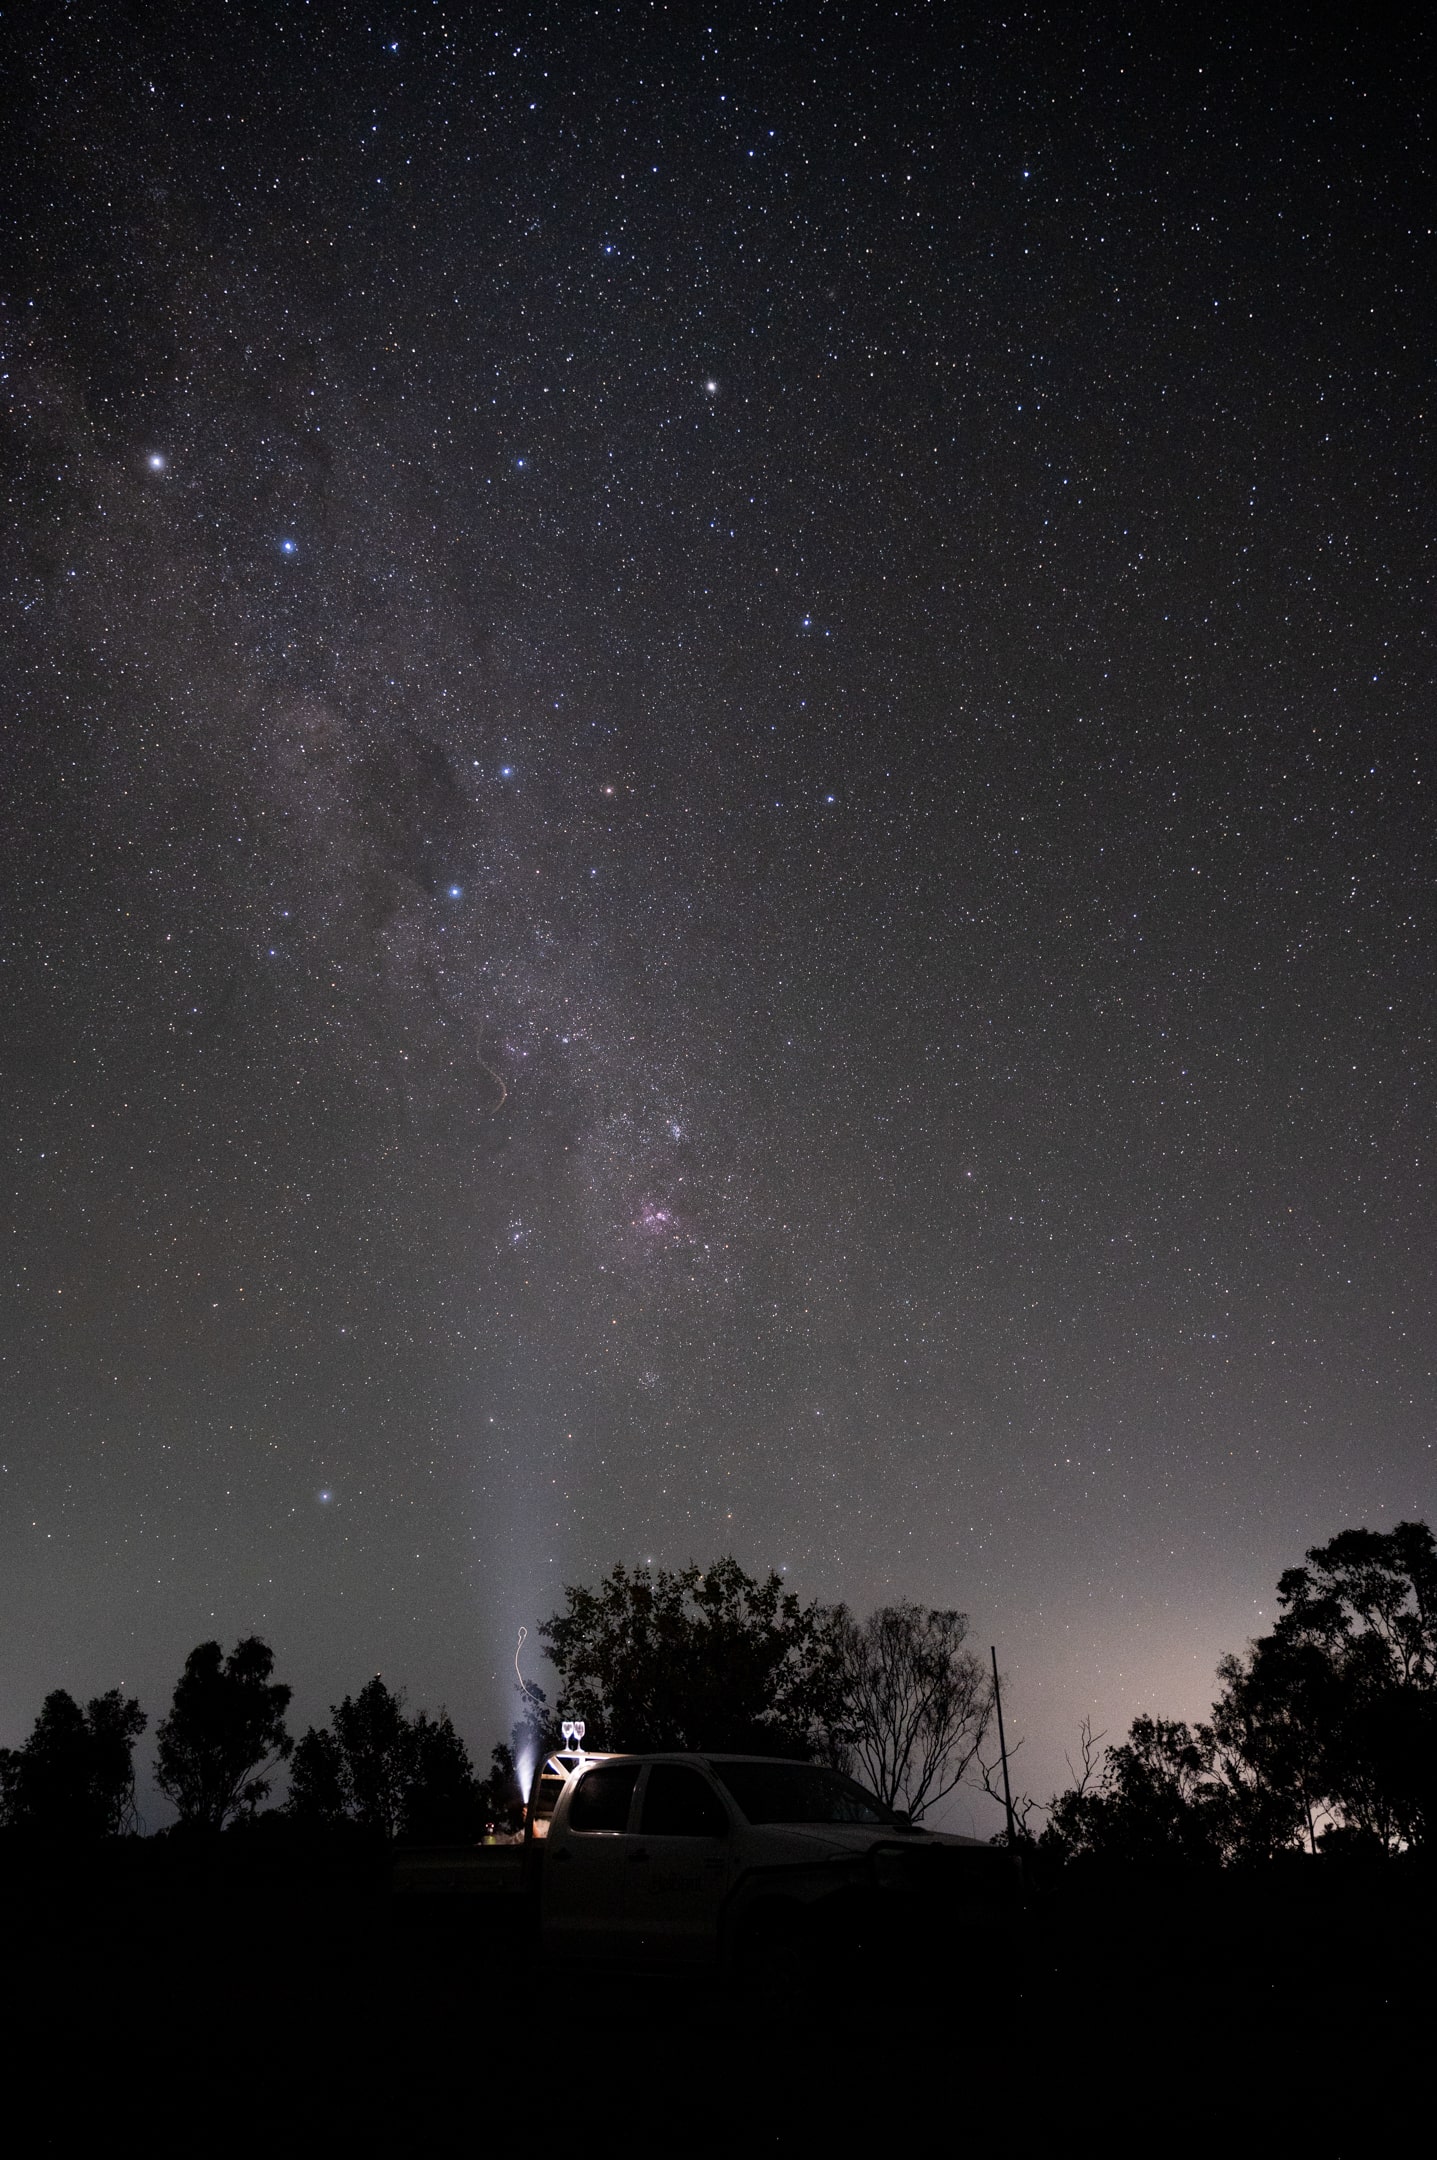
763 1867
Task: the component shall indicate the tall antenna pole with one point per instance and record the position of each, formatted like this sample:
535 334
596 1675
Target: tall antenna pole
1003 1750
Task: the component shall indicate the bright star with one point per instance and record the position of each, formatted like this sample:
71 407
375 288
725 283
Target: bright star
712 387
156 461
289 547
456 892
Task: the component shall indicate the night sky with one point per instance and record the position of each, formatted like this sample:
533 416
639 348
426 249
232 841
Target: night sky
718 828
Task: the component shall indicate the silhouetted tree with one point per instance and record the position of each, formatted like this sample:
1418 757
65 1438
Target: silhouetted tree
75 1775
1272 1731
1325 1732
697 1658
501 1794
1154 1798
317 1784
1374 1588
391 1774
443 1804
376 1749
224 1733
916 1703
1328 1721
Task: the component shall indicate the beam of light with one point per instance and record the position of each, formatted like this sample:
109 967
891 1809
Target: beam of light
527 1760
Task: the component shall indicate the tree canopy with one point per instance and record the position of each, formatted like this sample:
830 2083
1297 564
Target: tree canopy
394 1775
916 1703
697 1658
75 1775
1324 1734
224 1733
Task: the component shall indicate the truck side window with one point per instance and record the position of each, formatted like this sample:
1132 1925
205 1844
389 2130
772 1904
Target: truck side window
546 1794
680 1803
601 1797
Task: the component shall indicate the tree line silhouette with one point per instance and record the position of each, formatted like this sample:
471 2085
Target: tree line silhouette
1323 1737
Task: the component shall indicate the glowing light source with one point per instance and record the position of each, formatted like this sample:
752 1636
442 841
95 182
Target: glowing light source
526 1761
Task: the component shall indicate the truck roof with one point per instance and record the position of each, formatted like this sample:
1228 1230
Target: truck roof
713 1755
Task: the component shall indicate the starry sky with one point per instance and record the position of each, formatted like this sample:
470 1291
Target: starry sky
718 828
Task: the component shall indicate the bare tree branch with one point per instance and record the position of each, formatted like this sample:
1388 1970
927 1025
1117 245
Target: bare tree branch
1025 1805
1089 1743
916 1703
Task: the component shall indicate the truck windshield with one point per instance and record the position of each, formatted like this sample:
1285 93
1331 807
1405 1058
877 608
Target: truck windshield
781 1792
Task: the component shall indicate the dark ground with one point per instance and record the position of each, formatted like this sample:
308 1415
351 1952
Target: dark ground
233 1998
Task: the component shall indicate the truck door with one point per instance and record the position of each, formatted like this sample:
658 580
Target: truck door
585 1875
677 1867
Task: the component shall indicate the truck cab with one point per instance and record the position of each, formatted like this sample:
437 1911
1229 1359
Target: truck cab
689 1861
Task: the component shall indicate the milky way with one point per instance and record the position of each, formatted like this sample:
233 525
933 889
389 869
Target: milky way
718 831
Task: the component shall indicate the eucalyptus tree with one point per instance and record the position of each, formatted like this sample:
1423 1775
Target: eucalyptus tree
224 1735
916 1703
